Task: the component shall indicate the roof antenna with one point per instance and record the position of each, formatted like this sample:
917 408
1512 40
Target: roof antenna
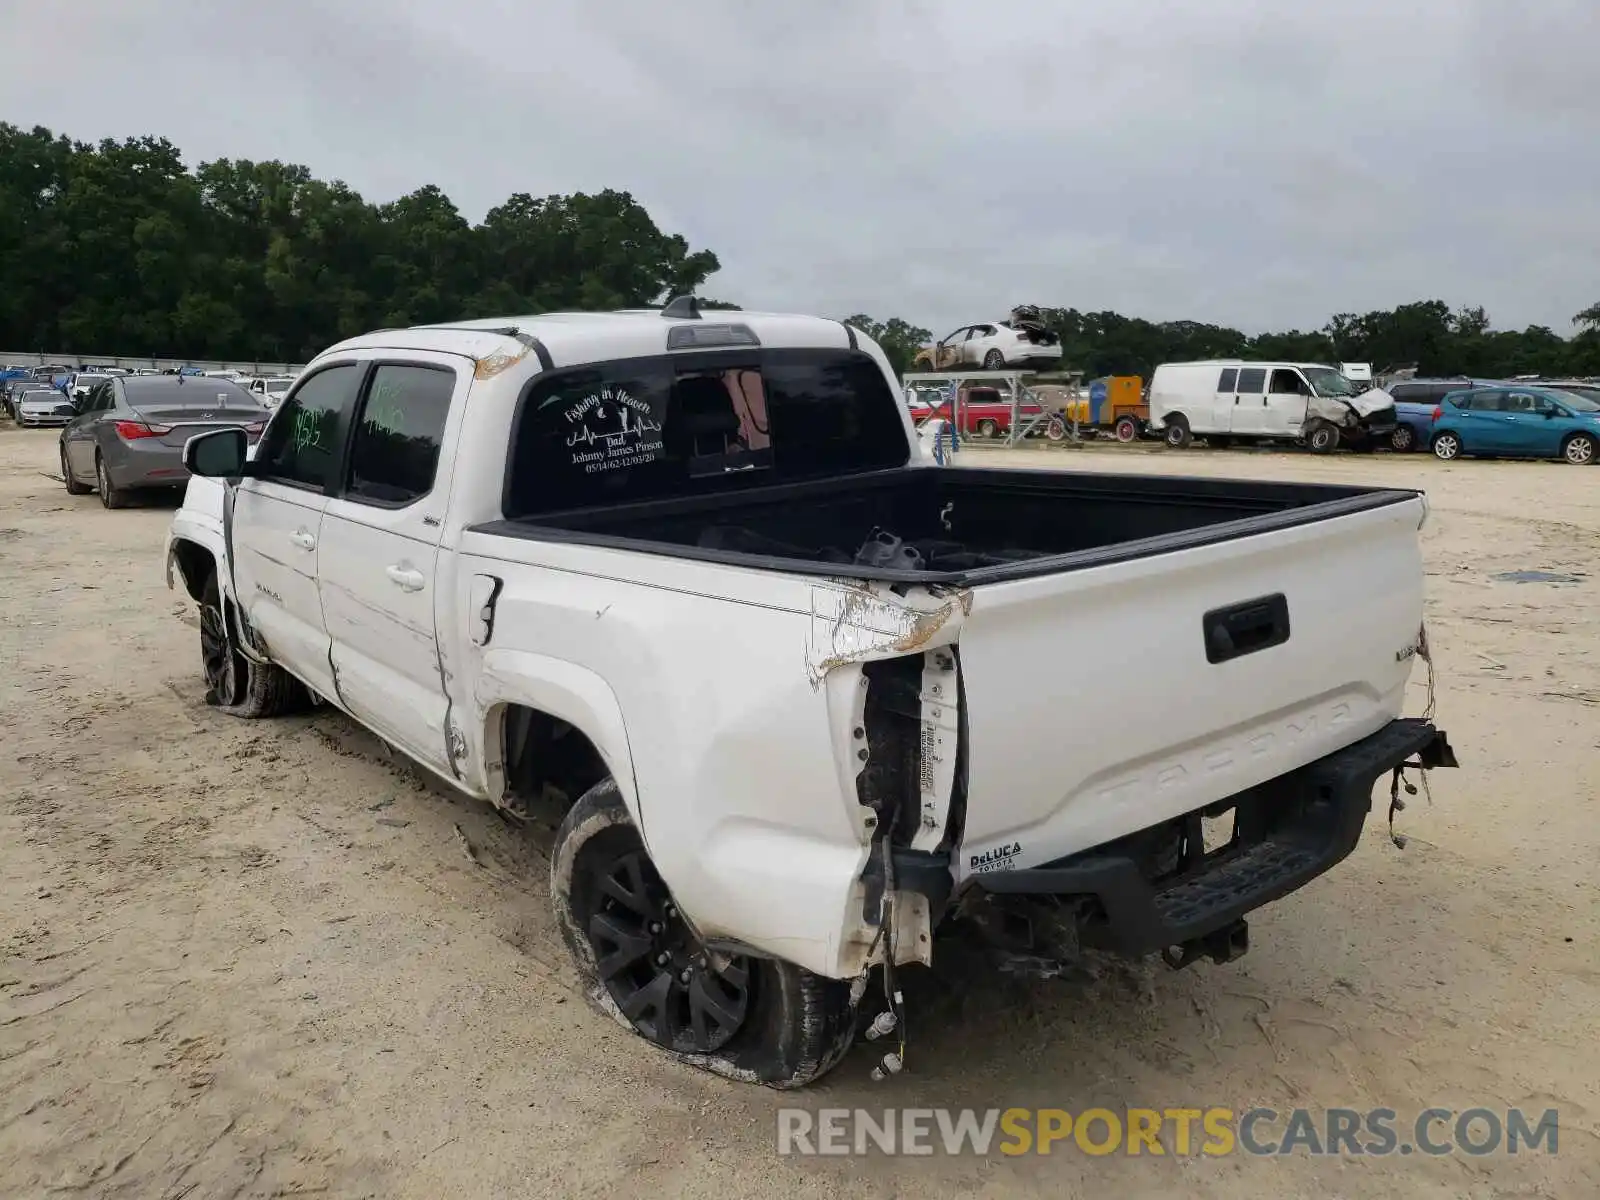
682 308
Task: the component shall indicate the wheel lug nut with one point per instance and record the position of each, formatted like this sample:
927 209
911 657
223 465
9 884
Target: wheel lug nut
655 926
663 959
687 975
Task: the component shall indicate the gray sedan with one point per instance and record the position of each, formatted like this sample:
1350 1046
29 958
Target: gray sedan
128 433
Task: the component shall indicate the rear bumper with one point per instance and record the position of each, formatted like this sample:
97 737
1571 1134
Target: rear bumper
1287 832
144 463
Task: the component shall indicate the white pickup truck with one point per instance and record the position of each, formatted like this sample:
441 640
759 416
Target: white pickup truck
808 698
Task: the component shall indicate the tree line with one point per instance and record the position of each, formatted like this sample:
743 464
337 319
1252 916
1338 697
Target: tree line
120 248
1428 333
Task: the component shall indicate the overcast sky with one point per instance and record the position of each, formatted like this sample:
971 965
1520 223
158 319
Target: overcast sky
1250 162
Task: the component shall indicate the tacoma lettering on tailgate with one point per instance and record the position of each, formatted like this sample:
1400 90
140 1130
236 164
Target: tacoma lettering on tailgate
1211 758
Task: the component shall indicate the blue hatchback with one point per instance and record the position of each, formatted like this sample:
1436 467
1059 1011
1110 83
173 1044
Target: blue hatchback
1517 422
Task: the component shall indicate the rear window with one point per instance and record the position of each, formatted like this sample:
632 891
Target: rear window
656 428
172 391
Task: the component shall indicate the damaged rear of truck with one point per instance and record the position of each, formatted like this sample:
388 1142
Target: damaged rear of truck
868 701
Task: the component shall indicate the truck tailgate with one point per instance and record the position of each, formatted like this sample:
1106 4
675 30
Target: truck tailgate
1105 700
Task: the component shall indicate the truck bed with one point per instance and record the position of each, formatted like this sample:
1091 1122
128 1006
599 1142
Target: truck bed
961 527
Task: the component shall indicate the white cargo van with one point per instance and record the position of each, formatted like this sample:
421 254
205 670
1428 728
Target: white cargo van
1227 399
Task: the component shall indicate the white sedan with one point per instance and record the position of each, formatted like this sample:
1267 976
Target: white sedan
994 346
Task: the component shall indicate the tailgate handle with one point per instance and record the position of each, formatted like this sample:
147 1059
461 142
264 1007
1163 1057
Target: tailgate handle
1242 629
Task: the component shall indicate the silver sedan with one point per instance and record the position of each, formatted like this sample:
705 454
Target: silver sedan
44 407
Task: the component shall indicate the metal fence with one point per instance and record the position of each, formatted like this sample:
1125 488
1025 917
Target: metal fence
32 358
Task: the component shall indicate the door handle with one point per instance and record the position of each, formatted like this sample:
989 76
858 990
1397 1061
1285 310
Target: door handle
406 579
1245 628
304 539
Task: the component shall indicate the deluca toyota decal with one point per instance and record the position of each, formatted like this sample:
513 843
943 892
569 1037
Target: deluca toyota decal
1001 858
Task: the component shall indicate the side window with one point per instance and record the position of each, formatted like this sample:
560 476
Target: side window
395 454
1407 393
1487 402
1286 383
1251 379
1226 380
1439 391
301 446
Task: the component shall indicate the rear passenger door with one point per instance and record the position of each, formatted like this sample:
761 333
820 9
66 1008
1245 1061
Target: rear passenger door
79 438
380 546
1484 425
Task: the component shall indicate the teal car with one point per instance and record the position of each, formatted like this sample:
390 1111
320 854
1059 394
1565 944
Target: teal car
1517 422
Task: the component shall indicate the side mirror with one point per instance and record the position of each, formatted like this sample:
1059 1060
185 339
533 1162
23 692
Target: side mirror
220 454
1550 412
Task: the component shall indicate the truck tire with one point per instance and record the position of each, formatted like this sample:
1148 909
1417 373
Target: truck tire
234 684
1177 431
1127 429
754 1019
988 429
1322 438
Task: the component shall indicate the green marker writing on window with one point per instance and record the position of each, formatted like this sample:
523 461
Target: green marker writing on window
308 429
384 409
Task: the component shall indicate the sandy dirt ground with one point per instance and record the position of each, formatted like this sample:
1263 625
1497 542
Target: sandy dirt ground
253 959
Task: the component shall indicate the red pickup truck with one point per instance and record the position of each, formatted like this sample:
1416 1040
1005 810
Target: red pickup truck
985 411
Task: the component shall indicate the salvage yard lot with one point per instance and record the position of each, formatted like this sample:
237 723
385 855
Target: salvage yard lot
257 959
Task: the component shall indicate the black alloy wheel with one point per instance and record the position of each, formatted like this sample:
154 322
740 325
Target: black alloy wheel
661 978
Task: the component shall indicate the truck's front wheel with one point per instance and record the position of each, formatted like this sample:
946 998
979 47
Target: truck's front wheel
234 684
739 1016
1322 438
